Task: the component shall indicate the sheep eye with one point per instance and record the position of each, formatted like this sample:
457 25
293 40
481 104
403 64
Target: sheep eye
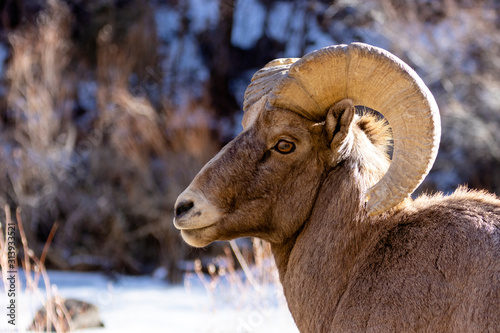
285 147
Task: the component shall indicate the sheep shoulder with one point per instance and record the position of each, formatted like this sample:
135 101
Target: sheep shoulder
437 266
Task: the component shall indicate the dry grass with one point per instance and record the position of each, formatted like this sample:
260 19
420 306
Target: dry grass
39 97
56 314
41 90
242 278
110 174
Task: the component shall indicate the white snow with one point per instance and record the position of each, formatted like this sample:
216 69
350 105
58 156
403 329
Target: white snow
296 33
248 25
148 304
189 59
87 92
4 52
168 22
183 64
203 14
279 16
317 37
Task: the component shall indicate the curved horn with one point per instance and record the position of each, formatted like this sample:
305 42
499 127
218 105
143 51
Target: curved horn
371 77
265 79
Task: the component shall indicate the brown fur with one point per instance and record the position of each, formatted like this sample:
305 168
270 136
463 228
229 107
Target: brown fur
429 265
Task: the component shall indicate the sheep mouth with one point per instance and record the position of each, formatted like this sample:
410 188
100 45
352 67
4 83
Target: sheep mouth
192 222
196 219
197 229
193 211
199 237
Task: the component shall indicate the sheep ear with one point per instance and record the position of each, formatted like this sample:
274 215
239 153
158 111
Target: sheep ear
338 124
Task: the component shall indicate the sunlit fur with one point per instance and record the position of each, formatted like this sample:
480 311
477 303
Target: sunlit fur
430 265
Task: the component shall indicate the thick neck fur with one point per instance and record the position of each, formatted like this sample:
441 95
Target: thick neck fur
337 234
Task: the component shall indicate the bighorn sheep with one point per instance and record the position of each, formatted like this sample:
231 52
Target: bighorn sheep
307 174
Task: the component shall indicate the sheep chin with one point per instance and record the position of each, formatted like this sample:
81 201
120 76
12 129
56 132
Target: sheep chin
198 237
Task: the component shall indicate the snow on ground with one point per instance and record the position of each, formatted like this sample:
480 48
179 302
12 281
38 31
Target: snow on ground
248 26
148 304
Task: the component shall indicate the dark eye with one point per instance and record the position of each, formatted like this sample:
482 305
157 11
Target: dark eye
284 147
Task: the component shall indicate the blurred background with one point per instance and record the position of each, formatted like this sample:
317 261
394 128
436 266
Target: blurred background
108 108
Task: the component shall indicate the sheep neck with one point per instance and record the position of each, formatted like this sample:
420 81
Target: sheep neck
329 246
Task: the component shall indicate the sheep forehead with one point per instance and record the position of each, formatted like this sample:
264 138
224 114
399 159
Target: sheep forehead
271 125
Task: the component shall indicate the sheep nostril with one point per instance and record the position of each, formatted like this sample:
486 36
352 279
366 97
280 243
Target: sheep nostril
183 207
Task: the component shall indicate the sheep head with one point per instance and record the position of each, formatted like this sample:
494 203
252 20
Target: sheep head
298 125
245 189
